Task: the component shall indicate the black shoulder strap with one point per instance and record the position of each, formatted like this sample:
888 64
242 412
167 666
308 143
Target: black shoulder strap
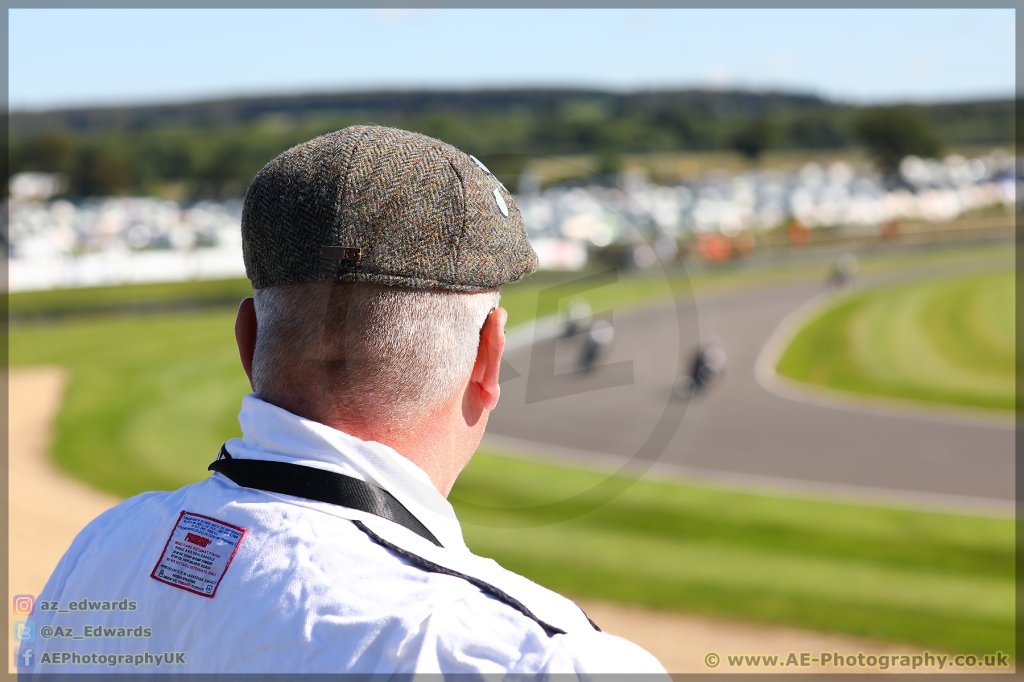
320 486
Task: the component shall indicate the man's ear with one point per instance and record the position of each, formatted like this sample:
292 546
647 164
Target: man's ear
488 359
245 335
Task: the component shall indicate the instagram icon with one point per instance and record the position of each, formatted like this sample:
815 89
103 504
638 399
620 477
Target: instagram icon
24 604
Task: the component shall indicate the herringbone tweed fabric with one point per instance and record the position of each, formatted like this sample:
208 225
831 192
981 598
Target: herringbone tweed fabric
421 213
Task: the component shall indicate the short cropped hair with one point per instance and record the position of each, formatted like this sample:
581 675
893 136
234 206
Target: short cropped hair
390 354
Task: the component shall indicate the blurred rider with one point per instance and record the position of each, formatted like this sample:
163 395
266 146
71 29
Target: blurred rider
705 370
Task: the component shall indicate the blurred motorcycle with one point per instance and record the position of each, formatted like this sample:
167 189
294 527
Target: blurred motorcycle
577 319
706 370
596 336
843 272
596 343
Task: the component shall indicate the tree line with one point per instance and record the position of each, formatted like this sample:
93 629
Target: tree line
213 149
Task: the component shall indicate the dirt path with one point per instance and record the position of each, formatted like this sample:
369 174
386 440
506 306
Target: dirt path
47 510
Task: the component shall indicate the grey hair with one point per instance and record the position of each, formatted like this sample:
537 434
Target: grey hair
391 354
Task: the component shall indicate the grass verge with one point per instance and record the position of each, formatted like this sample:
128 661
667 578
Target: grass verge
932 579
948 341
149 398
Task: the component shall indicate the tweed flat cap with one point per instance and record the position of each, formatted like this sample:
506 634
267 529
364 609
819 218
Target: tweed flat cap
381 205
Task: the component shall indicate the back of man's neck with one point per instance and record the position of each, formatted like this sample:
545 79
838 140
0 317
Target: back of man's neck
427 442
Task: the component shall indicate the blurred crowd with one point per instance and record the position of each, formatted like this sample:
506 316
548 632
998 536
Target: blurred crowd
54 243
115 240
815 195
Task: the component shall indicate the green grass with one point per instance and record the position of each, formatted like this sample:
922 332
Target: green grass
933 579
137 298
150 398
949 341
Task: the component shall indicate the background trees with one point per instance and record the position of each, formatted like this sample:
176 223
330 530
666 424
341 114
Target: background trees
213 149
893 133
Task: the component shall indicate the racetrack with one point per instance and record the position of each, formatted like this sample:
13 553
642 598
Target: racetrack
741 431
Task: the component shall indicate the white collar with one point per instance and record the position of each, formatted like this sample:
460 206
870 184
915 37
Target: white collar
271 433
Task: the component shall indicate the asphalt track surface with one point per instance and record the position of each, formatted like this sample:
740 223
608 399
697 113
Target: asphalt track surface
739 427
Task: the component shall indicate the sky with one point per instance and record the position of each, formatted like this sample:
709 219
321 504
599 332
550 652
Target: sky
65 57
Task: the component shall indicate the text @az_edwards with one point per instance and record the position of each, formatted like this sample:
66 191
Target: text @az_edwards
89 605
837 660
95 632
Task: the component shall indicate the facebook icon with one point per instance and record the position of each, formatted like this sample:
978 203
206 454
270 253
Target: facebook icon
23 656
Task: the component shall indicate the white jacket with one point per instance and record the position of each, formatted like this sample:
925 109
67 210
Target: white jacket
288 585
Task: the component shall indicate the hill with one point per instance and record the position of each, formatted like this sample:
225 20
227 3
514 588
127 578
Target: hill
247 110
212 148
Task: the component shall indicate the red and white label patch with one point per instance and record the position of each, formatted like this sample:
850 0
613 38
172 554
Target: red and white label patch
198 553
